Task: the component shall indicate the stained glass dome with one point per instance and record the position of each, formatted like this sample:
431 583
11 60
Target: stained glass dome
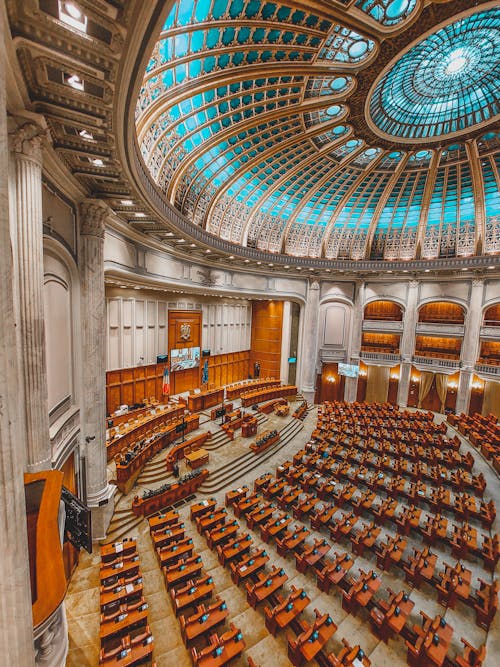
447 83
256 121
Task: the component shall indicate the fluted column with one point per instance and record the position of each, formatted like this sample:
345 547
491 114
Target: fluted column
351 384
310 342
407 346
26 143
470 346
16 626
93 316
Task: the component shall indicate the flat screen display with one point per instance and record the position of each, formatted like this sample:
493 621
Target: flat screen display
349 370
292 360
184 358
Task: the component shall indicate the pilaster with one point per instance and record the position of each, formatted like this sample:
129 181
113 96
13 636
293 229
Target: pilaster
16 626
310 342
470 345
351 384
26 143
93 214
407 346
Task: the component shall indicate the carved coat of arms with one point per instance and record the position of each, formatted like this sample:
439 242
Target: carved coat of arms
185 331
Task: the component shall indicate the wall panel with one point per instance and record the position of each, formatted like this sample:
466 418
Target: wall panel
265 348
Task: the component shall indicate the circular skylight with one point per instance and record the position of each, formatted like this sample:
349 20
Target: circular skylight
446 84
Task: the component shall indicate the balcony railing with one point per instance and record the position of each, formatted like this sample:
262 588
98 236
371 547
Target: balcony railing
488 370
436 362
380 356
490 332
382 325
440 328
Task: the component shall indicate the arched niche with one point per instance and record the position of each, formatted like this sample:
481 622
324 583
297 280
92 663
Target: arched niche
491 316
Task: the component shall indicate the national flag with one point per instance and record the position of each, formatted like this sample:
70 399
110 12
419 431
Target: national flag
166 382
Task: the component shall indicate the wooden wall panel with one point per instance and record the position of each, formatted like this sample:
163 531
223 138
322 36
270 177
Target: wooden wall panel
383 310
332 385
133 385
265 346
228 368
442 311
182 381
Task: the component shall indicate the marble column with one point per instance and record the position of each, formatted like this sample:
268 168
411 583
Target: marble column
310 342
26 142
407 346
351 384
16 626
285 340
93 335
470 345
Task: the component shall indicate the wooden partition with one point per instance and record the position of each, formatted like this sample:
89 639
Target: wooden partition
130 386
331 385
70 553
228 368
265 347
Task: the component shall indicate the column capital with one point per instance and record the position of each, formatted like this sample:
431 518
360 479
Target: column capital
93 213
414 283
27 141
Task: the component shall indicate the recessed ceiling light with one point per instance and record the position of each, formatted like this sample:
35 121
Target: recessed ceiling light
270 264
139 214
193 245
208 250
97 162
465 269
259 263
286 266
75 82
491 267
85 134
169 234
299 268
327 270
427 271
72 15
181 240
126 202
246 261
231 256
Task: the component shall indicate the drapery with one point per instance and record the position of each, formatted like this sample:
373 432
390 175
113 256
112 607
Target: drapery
426 380
442 388
377 384
491 400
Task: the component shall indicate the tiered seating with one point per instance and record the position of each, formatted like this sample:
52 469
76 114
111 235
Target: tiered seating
483 432
267 394
124 631
264 586
191 591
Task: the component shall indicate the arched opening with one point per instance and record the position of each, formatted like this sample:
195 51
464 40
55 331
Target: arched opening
442 312
383 310
492 316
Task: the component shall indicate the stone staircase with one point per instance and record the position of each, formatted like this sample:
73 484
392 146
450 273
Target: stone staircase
244 464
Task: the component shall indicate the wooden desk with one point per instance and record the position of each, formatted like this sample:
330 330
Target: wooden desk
283 614
111 552
292 540
181 489
182 571
267 585
235 495
136 431
121 592
249 565
166 536
204 620
436 652
310 642
249 398
196 459
205 399
260 514
207 521
221 534
220 649
192 593
120 570
203 507
124 622
235 548
275 526
129 656
235 390
178 452
163 520
312 555
334 572
247 504
175 552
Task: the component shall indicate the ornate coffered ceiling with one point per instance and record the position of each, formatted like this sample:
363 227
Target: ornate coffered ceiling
316 135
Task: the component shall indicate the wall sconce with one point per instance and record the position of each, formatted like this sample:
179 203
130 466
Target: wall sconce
362 374
453 385
477 385
415 379
394 377
331 379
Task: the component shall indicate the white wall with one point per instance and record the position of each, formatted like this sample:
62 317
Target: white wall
137 325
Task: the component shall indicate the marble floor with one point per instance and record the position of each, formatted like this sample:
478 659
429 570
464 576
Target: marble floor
82 601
